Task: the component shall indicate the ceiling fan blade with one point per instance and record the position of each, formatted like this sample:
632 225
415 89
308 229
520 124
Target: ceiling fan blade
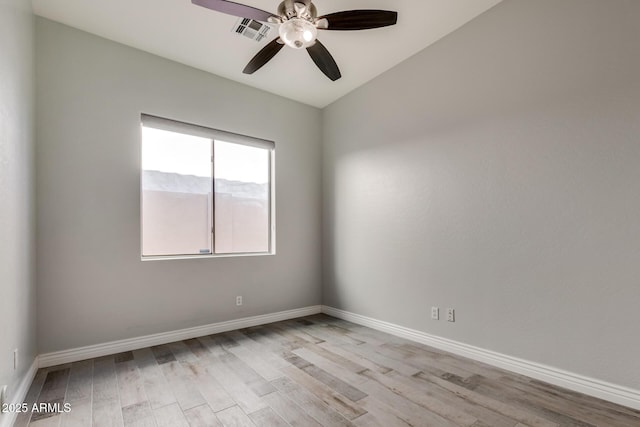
359 19
235 9
264 56
324 60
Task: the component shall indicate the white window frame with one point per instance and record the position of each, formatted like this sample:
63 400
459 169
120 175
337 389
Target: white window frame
170 125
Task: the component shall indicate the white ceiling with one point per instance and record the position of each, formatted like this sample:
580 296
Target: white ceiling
202 38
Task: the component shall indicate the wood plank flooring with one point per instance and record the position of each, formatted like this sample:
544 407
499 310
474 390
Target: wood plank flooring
313 371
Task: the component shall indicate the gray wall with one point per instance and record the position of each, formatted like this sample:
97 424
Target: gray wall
17 225
92 286
498 172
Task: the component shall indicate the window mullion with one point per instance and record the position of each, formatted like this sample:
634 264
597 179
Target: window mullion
213 198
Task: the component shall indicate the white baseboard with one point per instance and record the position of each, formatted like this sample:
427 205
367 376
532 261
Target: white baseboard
8 419
582 384
98 350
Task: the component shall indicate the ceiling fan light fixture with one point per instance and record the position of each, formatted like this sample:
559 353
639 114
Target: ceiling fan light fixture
298 33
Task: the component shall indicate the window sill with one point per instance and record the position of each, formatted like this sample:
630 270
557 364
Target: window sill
207 256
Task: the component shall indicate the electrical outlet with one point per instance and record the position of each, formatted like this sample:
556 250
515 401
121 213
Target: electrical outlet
435 313
238 300
15 359
451 315
3 396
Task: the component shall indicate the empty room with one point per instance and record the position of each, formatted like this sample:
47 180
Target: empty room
297 213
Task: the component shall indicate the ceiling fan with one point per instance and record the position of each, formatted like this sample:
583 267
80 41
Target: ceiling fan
299 25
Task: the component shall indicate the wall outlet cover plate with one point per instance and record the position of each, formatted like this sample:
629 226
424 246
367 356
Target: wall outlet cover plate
451 315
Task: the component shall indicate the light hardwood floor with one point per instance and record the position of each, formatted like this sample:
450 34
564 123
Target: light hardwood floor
314 371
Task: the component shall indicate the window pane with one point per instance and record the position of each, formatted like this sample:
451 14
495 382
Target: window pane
242 175
176 193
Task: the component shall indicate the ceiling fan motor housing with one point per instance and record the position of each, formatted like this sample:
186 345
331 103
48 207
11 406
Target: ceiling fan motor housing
301 9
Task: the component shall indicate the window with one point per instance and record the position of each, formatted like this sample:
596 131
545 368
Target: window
204 191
